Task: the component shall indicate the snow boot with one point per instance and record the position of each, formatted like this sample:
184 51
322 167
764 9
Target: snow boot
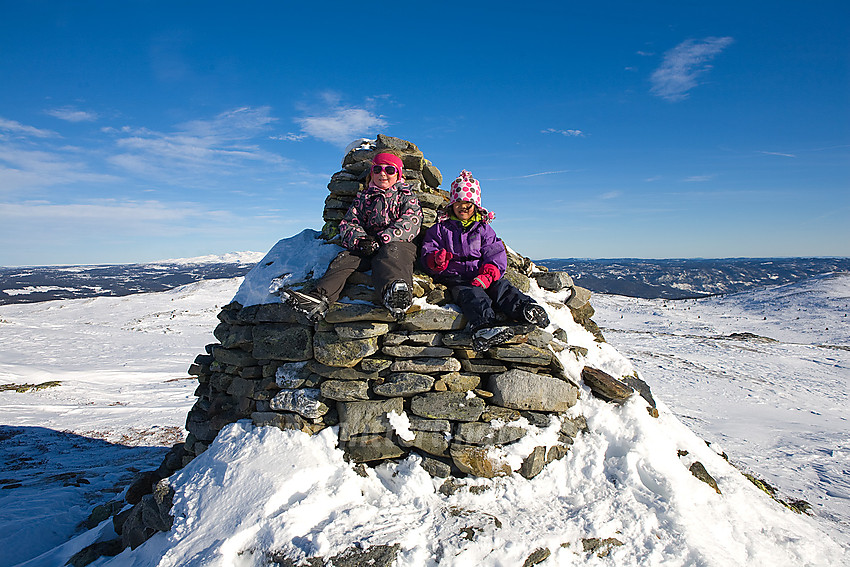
397 299
314 305
535 315
487 337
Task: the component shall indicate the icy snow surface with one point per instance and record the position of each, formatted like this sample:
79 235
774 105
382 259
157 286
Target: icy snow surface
777 410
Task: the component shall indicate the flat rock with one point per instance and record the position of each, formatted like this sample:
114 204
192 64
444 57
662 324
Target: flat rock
361 329
282 342
369 417
454 406
605 386
434 320
304 402
522 390
345 390
348 312
332 350
414 351
522 353
553 281
426 365
404 384
479 433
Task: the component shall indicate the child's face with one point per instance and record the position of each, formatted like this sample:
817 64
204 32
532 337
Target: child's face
463 209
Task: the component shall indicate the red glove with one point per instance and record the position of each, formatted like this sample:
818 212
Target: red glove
486 275
438 260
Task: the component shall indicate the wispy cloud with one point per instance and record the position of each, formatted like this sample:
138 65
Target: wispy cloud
571 133
683 65
25 169
530 175
71 114
19 129
778 154
698 178
340 124
220 145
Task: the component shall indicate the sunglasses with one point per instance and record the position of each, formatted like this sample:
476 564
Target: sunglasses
388 169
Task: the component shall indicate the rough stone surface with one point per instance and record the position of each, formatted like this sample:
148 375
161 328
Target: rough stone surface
606 386
454 406
553 281
304 402
522 390
475 460
370 417
434 320
478 433
345 390
426 365
361 329
332 350
404 384
282 342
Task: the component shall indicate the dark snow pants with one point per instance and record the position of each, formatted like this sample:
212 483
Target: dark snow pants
393 261
478 303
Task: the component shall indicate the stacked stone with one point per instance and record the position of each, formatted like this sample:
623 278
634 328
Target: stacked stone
419 173
358 367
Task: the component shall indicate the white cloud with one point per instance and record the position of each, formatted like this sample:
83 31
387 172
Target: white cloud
23 169
683 65
698 178
218 146
71 114
777 154
340 125
571 133
18 128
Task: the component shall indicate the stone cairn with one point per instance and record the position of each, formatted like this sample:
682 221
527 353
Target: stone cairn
358 368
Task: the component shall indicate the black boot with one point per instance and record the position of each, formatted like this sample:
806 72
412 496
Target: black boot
398 298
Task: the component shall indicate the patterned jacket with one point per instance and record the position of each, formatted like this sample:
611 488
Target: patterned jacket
393 215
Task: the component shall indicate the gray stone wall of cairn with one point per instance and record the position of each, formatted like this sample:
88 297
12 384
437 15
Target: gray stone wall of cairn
359 367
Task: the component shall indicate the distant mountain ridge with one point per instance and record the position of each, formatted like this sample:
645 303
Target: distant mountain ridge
33 284
633 277
690 278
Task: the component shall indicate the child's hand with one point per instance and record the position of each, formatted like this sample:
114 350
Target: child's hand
486 276
438 260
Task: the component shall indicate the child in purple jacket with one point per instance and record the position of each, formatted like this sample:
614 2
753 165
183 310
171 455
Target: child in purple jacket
463 252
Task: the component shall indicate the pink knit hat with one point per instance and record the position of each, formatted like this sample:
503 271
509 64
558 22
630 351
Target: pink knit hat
466 188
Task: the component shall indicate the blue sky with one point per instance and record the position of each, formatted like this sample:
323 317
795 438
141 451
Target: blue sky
144 130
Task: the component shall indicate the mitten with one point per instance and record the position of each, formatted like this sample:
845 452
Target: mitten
438 260
367 246
486 276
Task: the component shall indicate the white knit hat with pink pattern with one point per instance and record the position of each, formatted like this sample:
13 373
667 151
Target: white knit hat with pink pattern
465 188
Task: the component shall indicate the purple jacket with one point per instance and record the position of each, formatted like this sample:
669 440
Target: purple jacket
471 249
389 216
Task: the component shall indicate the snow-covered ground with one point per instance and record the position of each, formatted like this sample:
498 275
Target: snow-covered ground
776 409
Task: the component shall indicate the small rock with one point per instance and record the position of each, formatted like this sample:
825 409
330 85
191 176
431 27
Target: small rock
606 386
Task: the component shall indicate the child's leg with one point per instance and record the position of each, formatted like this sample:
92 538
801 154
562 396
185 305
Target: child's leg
475 304
392 262
516 304
330 285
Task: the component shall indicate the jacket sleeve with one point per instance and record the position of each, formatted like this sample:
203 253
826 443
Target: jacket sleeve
431 242
350 228
493 250
409 221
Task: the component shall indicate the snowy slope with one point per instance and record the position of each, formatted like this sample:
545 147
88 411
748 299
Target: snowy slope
121 400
